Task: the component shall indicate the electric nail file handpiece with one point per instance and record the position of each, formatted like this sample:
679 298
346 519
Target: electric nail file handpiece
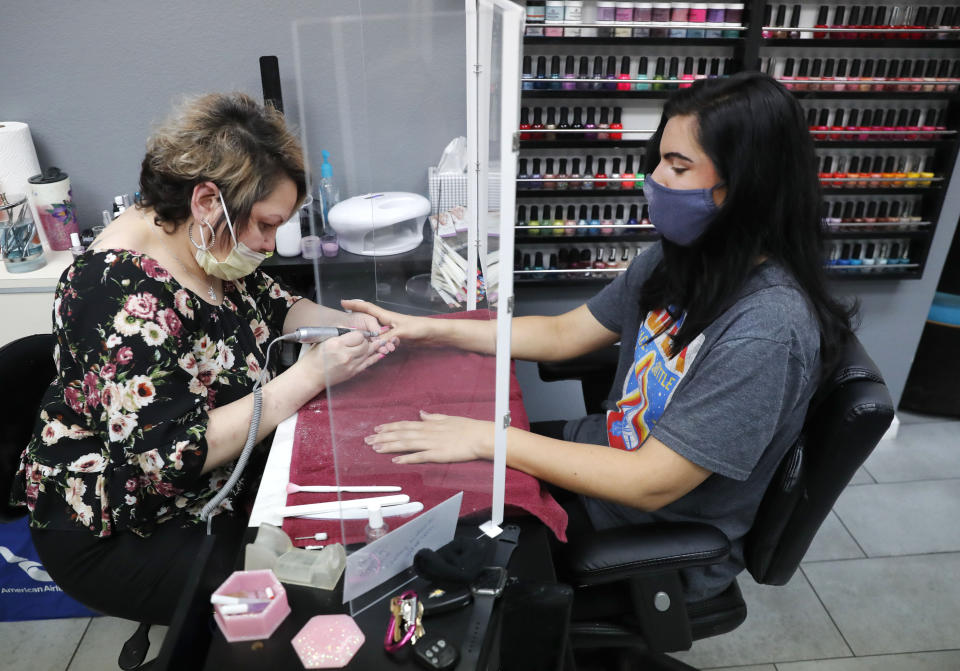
311 334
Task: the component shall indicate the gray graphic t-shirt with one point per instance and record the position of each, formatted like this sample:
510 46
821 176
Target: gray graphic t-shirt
733 401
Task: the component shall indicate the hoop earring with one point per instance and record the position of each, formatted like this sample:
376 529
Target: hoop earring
213 235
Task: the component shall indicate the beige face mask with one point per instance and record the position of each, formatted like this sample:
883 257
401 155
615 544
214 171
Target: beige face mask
241 260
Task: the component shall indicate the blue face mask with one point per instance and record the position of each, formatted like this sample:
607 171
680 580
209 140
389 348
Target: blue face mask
679 215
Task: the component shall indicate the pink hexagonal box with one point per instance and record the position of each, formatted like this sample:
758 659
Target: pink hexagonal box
328 641
250 605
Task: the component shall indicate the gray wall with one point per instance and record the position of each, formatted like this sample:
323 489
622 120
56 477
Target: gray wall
90 78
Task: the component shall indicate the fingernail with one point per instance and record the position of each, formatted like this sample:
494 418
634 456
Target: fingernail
381 342
384 328
376 429
368 440
395 459
382 355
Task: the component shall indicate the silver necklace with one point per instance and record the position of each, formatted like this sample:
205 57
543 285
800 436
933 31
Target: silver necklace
210 291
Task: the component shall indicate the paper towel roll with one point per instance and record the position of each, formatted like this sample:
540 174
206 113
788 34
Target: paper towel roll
18 162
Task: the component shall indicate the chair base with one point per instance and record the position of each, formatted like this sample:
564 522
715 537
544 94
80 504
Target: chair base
627 660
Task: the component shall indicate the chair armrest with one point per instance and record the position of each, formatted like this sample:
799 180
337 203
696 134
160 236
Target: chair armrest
602 361
643 549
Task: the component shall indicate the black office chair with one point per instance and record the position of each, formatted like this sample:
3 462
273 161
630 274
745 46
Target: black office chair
628 593
27 368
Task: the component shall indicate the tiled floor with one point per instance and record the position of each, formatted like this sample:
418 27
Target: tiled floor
878 590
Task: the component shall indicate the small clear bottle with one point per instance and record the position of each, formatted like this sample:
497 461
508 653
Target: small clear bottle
376 527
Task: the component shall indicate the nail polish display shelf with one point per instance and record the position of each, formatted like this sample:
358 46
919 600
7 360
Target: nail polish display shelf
875 191
637 41
602 95
582 193
853 95
582 143
523 236
878 233
953 43
945 141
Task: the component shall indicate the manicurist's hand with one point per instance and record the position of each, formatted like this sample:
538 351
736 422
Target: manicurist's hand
435 439
338 359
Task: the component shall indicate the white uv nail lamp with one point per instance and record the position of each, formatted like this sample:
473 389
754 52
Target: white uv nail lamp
380 224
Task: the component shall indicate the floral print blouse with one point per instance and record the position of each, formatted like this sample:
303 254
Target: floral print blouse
120 440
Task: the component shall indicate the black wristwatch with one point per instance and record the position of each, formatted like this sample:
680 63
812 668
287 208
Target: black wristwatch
486 589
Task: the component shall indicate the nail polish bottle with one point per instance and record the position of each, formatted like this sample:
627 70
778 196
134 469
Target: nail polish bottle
638 183
803 76
687 72
865 126
537 124
590 125
632 219
880 22
778 22
522 174
611 74
533 223
524 123
838 22
642 74
607 222
577 124
856 254
903 119
786 79
569 260
597 74
583 73
558 222
615 175
853 22
553 262
715 67
837 125
955 71
535 175
949 18
541 73
569 73
527 73
919 21
595 220
889 124
827 83
916 77
880 73
826 171
822 14
903 80
821 124
645 216
794 34
618 219
549 174
853 172
624 257
893 68
555 73
869 252
890 173
521 219
658 74
517 259
673 75
537 265
627 175
867 75
551 124
858 212
847 216
575 174
930 76
598 262
895 215
604 125
701 69
883 212
564 123
867 22
582 222
624 74
876 172
562 174
601 175
852 120
616 124
588 172
612 261
928 126
527 262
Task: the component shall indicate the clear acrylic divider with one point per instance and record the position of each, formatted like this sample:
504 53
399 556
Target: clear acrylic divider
408 236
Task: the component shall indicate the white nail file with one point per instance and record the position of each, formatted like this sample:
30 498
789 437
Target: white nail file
402 510
337 506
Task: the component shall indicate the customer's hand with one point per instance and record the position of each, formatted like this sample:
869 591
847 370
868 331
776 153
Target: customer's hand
436 438
403 327
359 320
338 359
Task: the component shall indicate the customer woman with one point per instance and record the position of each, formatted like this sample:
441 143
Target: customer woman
725 325
161 332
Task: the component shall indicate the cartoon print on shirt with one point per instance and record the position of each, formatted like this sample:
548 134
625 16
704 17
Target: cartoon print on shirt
650 383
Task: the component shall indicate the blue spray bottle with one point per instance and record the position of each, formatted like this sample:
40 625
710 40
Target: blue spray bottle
329 195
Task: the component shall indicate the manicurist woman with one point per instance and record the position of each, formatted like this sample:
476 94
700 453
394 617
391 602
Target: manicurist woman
161 332
725 325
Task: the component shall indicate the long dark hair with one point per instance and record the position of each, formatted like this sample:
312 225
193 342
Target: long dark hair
755 133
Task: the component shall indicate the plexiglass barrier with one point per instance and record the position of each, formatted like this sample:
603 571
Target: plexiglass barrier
405 148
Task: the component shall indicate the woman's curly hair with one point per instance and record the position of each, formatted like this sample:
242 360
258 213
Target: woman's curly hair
228 139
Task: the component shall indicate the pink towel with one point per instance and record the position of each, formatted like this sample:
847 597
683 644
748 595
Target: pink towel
445 381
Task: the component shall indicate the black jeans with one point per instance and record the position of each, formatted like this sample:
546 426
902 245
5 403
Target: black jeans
135 578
